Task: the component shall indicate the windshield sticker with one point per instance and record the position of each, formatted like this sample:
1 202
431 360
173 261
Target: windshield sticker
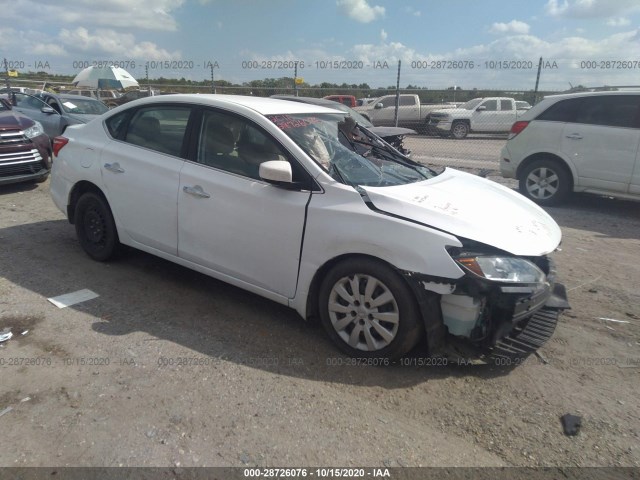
70 105
286 122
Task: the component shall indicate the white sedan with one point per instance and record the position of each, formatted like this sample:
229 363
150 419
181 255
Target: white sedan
292 202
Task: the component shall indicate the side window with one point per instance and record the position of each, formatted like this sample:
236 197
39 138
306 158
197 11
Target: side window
27 101
490 105
407 100
506 105
236 145
159 128
116 124
610 110
563 111
389 101
53 104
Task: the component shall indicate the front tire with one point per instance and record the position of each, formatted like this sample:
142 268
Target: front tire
546 182
459 130
368 310
95 227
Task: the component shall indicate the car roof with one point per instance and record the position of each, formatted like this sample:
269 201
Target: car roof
311 100
264 106
563 96
549 100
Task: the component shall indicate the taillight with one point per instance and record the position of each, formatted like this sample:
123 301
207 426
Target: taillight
58 143
516 128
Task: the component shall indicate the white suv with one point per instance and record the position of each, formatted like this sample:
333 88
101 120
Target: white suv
580 142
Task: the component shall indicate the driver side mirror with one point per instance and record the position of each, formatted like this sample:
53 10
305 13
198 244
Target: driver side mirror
481 108
47 109
378 105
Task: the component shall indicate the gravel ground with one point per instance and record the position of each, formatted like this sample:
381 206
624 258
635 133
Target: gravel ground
168 367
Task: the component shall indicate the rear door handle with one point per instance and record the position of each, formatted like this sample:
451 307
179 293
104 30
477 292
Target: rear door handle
196 191
114 167
574 136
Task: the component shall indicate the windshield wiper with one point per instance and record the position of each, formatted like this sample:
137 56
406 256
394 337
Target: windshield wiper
393 156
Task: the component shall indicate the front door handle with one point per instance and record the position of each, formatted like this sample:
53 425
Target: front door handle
114 167
196 191
574 136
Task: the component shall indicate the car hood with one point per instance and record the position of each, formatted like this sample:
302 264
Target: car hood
452 111
475 208
383 132
12 120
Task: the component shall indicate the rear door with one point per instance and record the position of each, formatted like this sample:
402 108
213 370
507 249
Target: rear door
506 115
602 141
141 172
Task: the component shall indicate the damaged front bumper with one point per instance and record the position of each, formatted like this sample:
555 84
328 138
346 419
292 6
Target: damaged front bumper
484 319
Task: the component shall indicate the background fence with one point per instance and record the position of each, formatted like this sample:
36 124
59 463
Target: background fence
479 152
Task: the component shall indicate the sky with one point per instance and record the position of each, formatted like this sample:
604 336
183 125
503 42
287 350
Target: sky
467 43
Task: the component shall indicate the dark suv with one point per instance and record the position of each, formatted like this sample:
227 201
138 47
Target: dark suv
25 150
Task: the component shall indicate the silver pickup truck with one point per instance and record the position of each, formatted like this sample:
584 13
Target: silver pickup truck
480 115
411 113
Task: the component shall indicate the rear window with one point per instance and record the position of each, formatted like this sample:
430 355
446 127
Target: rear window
407 100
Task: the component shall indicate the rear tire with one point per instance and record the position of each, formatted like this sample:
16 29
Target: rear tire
95 227
546 182
368 310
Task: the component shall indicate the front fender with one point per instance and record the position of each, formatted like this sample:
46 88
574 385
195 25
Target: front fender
403 244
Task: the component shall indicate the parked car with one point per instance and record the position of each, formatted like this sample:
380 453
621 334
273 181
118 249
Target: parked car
480 115
392 135
56 112
25 150
263 194
348 100
102 95
411 113
130 96
580 142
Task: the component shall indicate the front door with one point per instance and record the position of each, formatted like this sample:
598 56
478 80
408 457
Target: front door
231 221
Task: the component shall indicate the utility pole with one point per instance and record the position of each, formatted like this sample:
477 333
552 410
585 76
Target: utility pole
295 78
535 92
146 71
213 85
6 69
395 116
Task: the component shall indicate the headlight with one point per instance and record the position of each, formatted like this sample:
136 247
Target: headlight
35 130
503 269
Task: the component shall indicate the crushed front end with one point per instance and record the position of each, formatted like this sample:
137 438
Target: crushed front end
504 305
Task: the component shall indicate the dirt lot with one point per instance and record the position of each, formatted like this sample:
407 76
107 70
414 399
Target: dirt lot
168 367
